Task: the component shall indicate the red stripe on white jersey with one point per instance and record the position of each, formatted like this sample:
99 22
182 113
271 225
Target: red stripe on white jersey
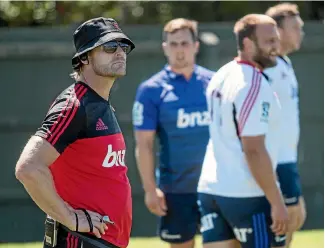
250 100
244 108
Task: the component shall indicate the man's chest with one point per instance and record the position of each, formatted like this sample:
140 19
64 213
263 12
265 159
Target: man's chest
285 84
101 143
100 121
183 107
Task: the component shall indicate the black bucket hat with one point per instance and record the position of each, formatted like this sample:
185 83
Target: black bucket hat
95 32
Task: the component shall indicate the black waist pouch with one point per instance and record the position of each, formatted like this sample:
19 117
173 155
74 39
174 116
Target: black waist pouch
51 232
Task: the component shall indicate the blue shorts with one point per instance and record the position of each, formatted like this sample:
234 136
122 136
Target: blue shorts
289 180
246 219
182 220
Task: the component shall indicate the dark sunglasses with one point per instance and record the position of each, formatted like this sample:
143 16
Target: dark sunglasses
111 46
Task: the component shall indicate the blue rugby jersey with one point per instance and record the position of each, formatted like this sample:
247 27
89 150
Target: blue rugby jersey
176 109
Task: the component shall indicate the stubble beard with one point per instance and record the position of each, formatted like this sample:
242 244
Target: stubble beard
109 70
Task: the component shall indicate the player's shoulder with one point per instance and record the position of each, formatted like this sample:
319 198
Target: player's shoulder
72 95
241 73
68 105
226 73
285 61
223 71
280 72
204 72
249 74
254 80
238 69
282 63
156 82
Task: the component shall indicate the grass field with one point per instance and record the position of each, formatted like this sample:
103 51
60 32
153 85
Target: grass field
304 239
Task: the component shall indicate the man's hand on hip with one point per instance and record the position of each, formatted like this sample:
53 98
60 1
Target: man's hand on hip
86 221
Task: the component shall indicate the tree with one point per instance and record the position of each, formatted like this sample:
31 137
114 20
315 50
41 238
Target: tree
48 13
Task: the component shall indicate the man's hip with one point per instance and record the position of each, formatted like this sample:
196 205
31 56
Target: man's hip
69 239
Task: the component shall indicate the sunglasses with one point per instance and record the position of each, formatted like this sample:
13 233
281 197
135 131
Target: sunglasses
111 46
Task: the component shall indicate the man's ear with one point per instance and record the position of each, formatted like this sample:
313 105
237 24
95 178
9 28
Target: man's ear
248 44
84 59
165 48
197 47
281 33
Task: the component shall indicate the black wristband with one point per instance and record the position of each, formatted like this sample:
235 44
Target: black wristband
91 226
77 222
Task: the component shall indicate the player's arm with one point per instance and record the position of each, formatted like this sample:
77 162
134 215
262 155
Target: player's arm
145 118
254 104
144 153
59 129
32 168
33 172
260 165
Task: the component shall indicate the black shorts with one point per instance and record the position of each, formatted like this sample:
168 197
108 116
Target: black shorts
246 219
182 220
78 240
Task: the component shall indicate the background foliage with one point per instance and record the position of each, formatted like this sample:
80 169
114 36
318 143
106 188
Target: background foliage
57 13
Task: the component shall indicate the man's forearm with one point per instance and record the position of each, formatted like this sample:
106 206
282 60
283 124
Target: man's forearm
145 162
40 186
261 168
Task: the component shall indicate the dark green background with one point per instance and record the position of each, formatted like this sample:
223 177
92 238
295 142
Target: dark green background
35 66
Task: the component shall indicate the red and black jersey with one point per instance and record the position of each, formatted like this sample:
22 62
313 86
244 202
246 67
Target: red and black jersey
90 172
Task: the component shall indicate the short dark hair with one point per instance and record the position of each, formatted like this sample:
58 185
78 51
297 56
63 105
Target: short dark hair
280 11
179 24
246 27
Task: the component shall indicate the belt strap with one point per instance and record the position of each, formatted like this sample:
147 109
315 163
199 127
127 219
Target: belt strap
88 240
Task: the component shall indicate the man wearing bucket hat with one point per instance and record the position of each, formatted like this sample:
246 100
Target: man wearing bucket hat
73 167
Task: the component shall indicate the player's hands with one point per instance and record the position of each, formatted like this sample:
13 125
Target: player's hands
156 202
297 215
280 219
99 226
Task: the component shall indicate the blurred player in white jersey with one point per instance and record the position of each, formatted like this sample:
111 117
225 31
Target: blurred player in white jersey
239 198
284 83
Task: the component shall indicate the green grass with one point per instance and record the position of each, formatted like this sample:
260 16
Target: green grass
304 239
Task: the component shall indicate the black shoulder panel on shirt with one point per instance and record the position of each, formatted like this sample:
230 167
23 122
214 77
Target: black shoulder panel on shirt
65 118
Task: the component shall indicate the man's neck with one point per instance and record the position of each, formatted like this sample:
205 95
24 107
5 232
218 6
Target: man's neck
186 72
283 52
102 85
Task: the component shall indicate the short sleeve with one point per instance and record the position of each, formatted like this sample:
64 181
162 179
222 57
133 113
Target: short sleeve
254 103
145 109
63 122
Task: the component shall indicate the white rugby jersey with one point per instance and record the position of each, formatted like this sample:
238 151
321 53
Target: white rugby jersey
241 103
284 82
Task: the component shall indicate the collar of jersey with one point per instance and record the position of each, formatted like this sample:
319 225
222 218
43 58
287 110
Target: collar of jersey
246 62
285 59
174 75
94 92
